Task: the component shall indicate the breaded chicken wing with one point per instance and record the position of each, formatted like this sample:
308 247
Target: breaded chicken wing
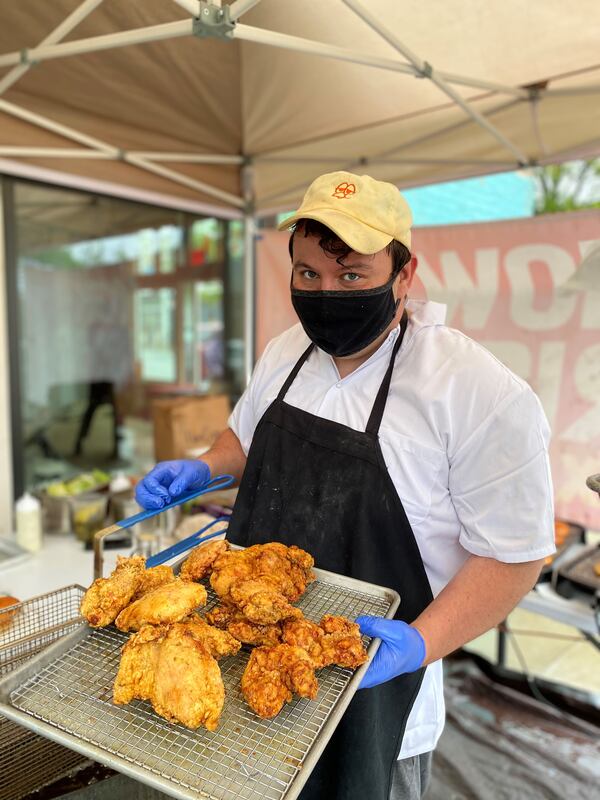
153 578
168 603
107 597
336 640
234 622
262 580
200 561
289 569
274 674
342 643
219 643
259 602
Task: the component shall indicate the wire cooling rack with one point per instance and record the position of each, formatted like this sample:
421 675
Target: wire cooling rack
246 758
29 761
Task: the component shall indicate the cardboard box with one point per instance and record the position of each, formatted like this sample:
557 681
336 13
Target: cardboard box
184 423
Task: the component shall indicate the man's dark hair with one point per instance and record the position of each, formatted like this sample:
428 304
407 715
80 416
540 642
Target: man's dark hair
331 244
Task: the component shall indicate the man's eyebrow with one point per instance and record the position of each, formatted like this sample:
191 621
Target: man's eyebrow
360 265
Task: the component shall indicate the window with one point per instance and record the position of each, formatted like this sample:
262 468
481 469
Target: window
114 303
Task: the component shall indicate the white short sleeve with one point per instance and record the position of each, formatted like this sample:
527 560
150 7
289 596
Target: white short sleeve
247 412
500 483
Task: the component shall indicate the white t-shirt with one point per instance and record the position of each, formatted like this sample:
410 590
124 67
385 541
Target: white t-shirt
464 440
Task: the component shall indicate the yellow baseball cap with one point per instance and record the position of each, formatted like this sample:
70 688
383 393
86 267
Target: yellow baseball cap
366 214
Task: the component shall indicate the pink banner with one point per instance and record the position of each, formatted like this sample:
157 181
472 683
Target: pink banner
499 281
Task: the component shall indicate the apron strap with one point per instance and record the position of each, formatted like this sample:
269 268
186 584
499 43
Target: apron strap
382 395
292 376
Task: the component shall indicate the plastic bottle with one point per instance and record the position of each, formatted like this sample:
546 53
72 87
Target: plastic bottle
29 523
120 483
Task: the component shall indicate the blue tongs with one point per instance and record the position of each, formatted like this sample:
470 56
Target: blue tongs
216 483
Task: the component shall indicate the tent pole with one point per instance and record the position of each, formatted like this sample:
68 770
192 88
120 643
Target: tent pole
329 160
426 71
6 460
300 45
177 177
576 90
239 7
419 140
189 158
57 34
55 127
51 152
249 270
189 5
70 133
10 151
153 33
184 27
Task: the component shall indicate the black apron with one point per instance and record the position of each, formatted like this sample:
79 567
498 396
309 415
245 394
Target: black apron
325 487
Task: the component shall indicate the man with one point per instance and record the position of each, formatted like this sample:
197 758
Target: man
396 451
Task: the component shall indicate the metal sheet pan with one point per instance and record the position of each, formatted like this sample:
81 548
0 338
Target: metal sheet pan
65 694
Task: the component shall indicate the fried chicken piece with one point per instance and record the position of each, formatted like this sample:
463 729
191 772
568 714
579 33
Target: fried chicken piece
139 657
256 635
342 643
336 640
274 674
219 643
168 666
153 578
260 602
288 569
307 635
234 622
221 616
170 602
188 686
107 597
200 561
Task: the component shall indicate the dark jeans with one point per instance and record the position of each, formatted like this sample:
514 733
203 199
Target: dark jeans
411 777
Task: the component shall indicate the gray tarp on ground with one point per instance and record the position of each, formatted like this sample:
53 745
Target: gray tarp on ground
500 745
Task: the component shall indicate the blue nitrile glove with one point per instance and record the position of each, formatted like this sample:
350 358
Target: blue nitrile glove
402 649
170 479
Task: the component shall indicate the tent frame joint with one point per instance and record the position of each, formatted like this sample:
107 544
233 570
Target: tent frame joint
213 22
25 60
426 71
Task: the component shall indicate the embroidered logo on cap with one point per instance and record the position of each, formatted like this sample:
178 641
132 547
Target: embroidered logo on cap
344 190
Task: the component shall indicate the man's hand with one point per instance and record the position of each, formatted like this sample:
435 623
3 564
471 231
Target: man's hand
170 479
402 649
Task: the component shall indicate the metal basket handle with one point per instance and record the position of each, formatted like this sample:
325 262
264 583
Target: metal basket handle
216 483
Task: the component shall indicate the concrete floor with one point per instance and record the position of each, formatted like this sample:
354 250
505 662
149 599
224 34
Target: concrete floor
547 649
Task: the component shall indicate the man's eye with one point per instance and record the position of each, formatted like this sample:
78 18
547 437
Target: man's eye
350 277
309 274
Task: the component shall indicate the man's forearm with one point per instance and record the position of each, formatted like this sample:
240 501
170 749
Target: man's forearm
226 456
479 596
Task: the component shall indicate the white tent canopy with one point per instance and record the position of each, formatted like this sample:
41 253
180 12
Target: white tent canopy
139 94
234 109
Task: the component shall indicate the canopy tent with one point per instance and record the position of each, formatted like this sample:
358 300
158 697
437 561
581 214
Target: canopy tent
234 109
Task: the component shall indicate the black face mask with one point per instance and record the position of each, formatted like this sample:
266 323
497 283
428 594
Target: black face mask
344 322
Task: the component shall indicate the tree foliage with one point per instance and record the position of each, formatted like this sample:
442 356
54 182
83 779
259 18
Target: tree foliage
567 187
